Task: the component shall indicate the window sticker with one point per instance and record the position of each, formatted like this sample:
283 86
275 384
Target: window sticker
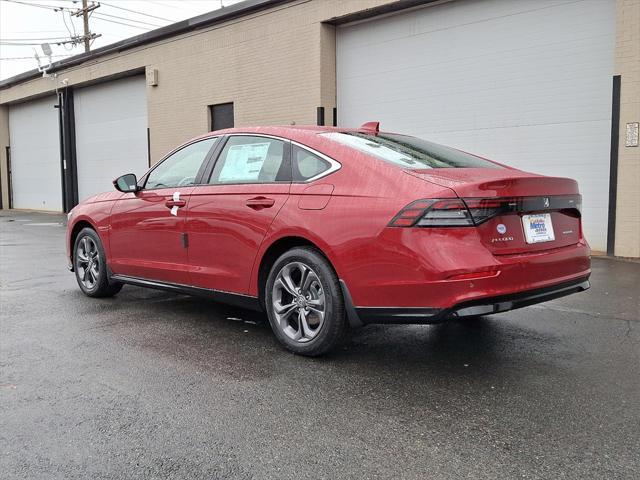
244 162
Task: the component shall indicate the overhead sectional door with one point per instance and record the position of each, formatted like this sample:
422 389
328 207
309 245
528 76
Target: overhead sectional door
526 83
111 133
34 139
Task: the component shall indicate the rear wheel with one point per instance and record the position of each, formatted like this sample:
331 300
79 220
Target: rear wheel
304 302
90 266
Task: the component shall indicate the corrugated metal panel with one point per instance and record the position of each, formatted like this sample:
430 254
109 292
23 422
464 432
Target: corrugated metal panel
525 83
35 155
111 133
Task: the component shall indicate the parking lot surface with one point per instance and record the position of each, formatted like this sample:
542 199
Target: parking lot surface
156 385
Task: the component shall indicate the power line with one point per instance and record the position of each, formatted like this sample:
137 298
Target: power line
120 23
64 20
29 39
38 5
30 58
19 44
38 31
135 11
127 19
164 4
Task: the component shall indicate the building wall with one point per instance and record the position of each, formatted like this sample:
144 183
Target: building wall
627 65
278 66
269 63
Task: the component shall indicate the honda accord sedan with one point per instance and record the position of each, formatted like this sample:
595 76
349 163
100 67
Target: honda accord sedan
328 229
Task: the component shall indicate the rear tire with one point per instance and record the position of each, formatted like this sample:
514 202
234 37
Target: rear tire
304 303
90 266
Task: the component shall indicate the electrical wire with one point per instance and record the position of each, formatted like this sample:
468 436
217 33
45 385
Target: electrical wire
16 44
29 39
121 23
128 19
136 11
38 5
64 20
19 44
30 58
73 26
164 5
71 34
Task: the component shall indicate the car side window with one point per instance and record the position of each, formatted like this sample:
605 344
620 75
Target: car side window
249 159
181 168
306 165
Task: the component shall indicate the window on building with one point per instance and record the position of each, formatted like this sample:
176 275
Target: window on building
306 165
247 159
221 116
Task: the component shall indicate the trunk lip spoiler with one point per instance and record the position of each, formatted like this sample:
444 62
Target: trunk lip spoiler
528 204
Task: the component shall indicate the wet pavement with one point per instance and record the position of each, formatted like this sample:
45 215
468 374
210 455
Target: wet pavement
156 385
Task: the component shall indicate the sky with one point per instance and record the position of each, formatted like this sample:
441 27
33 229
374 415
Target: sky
25 24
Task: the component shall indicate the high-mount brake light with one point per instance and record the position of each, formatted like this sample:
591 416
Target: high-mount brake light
448 212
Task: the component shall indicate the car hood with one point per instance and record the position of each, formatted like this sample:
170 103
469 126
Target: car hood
103 197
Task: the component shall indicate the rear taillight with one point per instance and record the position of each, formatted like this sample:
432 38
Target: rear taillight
467 212
450 212
482 209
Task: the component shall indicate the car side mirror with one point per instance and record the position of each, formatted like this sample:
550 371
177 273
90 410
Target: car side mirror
126 183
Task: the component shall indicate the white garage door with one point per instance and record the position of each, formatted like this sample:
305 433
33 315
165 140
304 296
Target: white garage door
35 155
111 133
526 83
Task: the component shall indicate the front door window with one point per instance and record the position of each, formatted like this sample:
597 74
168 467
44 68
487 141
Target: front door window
181 168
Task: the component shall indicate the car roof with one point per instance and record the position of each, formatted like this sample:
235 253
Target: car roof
292 132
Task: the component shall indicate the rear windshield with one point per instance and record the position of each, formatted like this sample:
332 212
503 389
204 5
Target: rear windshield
409 152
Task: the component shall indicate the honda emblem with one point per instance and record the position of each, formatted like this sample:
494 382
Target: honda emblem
546 202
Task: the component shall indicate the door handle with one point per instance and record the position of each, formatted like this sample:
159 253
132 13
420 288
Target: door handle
258 203
175 203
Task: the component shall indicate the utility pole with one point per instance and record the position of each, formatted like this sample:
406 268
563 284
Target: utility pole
84 11
85 21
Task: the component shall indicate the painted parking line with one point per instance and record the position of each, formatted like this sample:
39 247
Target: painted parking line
43 224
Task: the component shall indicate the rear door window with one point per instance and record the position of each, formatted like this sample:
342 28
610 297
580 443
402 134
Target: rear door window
306 165
251 159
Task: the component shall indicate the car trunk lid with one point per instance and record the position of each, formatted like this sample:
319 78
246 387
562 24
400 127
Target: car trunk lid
514 211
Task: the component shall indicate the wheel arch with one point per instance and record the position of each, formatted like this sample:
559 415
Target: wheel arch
273 251
77 227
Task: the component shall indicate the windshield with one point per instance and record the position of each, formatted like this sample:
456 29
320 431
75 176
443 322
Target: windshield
409 152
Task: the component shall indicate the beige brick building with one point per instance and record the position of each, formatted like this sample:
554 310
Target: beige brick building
534 84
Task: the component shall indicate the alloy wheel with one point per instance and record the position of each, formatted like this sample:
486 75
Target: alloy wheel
88 262
298 302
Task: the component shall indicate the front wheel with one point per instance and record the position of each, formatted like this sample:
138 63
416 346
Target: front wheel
90 266
304 302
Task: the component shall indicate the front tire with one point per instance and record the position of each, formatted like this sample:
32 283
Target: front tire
90 266
304 302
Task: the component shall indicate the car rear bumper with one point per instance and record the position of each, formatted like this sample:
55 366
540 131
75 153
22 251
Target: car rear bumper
483 306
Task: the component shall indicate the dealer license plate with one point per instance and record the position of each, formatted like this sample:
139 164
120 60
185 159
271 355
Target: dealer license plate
538 228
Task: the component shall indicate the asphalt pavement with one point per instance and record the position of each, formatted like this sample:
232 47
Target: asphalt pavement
156 385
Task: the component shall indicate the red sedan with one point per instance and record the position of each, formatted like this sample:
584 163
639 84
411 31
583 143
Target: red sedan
328 229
